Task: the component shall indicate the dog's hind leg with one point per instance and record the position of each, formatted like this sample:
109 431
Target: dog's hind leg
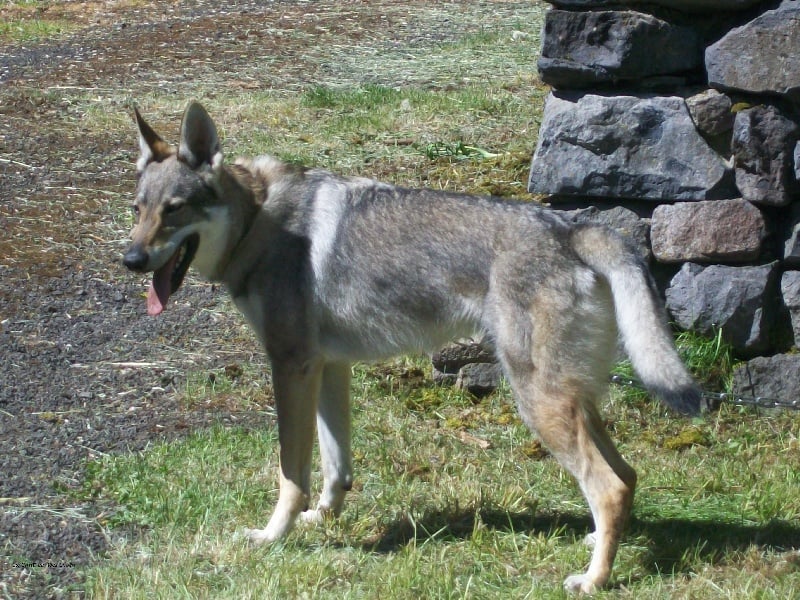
333 430
570 426
557 364
296 391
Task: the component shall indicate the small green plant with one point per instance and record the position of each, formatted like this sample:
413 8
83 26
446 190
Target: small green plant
710 360
458 151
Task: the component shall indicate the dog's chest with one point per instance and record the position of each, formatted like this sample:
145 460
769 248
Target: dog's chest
251 306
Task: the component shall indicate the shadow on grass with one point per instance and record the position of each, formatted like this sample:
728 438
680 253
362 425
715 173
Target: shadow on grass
459 523
671 544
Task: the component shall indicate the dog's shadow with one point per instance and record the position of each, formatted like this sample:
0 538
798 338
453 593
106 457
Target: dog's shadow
669 542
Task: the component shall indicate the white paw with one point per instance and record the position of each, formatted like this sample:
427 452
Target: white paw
275 530
314 516
590 541
579 584
259 536
317 515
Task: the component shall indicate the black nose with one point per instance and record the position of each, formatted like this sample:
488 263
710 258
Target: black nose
135 259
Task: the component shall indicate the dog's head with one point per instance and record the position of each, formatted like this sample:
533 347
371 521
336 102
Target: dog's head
181 218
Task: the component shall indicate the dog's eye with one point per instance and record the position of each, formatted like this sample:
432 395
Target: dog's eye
173 208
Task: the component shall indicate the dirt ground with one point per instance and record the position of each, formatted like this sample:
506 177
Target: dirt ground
83 371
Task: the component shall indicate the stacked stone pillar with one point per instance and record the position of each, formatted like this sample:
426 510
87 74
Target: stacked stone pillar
687 114
678 122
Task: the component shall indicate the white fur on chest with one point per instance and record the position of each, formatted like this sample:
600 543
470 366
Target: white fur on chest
214 233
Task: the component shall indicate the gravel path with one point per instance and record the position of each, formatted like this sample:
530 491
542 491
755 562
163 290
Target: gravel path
83 371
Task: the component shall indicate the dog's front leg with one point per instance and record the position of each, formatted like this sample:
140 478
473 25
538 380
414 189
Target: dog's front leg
333 430
296 392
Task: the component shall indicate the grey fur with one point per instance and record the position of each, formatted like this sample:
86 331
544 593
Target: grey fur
329 270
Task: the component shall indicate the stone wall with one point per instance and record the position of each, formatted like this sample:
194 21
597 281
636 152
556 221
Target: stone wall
678 122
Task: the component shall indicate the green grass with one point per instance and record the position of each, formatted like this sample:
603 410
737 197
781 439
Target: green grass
475 139
381 111
23 30
27 20
453 499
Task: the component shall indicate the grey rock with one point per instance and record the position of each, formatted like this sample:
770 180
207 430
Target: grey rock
444 379
623 220
790 292
479 379
690 6
457 354
624 147
449 360
712 230
760 56
791 248
741 301
763 149
774 377
797 161
581 49
711 112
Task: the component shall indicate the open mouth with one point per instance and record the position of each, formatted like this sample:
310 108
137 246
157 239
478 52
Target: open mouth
168 278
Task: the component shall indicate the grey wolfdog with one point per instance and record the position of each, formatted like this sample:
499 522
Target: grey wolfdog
329 270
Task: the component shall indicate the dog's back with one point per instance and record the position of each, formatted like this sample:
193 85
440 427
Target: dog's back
400 269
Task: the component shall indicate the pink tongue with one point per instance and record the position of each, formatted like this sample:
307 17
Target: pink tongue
160 288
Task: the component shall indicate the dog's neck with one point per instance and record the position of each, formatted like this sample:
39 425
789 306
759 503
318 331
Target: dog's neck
245 189
241 196
254 193
251 188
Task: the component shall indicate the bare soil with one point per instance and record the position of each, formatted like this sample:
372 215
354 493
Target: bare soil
84 372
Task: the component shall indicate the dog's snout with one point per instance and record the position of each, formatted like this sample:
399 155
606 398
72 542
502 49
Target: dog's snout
135 259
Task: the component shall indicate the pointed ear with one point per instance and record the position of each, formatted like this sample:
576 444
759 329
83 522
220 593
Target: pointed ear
199 140
151 146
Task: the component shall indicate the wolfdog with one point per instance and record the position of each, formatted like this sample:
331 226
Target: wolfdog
329 270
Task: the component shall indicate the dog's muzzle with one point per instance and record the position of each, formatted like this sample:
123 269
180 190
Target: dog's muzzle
136 259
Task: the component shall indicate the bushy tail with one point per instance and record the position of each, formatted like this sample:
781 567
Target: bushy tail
640 317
